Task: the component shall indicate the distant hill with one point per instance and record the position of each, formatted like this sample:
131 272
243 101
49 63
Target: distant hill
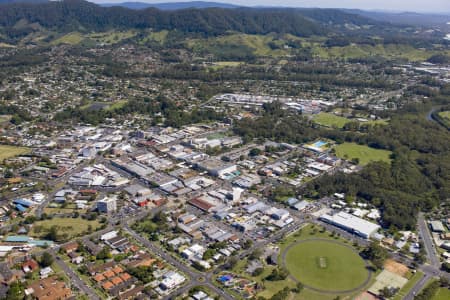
22 1
170 6
405 18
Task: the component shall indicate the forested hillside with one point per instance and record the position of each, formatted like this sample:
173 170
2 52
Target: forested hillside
73 15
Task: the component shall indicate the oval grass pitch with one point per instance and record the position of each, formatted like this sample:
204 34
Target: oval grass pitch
326 265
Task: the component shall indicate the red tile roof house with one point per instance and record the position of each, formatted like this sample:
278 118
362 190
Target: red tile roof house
30 266
70 247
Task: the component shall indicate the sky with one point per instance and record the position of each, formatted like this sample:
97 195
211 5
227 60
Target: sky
438 6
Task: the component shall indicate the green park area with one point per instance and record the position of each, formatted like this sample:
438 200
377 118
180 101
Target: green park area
11 151
330 120
311 252
445 117
320 260
362 153
66 228
445 114
326 265
442 294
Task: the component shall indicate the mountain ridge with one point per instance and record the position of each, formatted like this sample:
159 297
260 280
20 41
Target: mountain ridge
73 15
171 5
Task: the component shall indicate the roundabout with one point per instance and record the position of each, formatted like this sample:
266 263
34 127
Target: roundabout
326 266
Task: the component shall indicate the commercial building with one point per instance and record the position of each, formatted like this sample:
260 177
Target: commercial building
216 167
107 205
436 226
171 280
351 223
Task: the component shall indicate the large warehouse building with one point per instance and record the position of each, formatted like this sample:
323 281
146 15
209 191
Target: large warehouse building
216 167
351 223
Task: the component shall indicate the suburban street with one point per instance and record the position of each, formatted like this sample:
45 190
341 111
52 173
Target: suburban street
74 278
427 239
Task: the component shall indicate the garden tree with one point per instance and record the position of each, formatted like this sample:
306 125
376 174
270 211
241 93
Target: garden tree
420 258
30 219
92 216
104 254
83 269
142 273
444 282
278 274
255 152
429 291
209 253
218 245
52 234
257 272
388 292
446 267
281 192
298 288
8 173
231 263
376 254
247 244
256 254
281 295
46 260
16 291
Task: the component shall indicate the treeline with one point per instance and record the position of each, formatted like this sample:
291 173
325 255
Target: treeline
71 15
160 109
287 73
417 178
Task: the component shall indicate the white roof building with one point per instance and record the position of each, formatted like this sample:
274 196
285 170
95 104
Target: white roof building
351 223
171 280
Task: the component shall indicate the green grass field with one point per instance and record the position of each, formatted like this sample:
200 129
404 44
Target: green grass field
360 51
364 153
326 265
259 44
330 120
112 37
223 64
159 36
73 38
11 151
4 119
442 294
445 115
73 227
5 45
117 105
333 121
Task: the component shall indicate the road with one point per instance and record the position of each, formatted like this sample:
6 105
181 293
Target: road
427 239
430 114
418 287
74 278
432 270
